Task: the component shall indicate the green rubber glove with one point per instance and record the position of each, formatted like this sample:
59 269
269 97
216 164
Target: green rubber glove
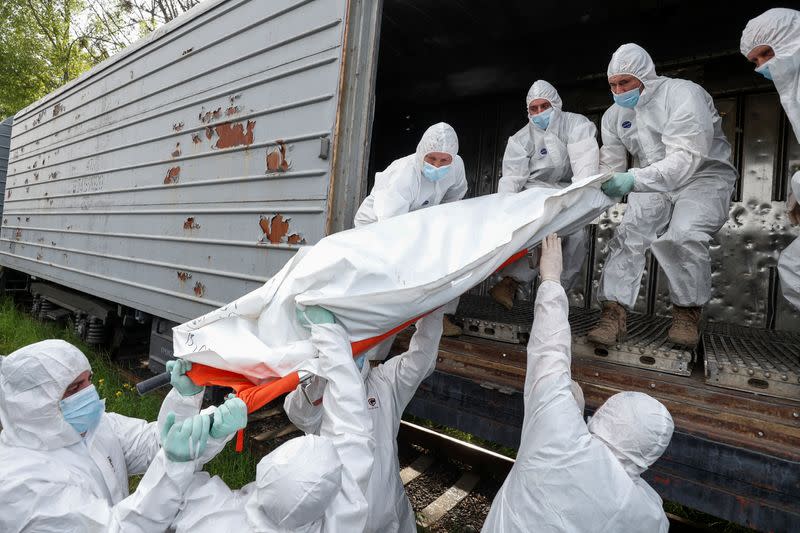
180 380
618 186
186 440
314 314
229 417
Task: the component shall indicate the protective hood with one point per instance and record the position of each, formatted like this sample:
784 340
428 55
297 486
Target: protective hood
32 382
440 137
780 29
777 28
633 60
294 485
542 89
636 427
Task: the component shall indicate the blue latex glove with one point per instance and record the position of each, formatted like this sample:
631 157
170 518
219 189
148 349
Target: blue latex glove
618 186
314 314
186 440
229 417
180 380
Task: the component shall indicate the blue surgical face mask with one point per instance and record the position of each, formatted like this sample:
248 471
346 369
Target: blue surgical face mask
627 99
542 120
83 409
764 71
433 173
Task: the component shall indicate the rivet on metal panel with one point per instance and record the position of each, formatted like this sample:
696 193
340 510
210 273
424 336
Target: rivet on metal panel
173 175
183 276
191 224
276 158
652 385
199 289
178 126
177 151
231 135
760 433
796 414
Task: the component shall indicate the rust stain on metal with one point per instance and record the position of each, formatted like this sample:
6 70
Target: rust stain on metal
231 135
209 133
183 276
18 234
210 116
36 176
58 109
39 256
187 51
275 229
27 219
196 138
232 110
177 151
199 289
276 159
50 176
26 181
191 224
9 193
296 238
178 126
173 175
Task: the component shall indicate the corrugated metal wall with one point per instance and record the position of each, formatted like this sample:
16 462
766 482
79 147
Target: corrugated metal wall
5 140
186 171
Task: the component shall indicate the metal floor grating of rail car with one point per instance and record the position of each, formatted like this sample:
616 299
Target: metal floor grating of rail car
741 358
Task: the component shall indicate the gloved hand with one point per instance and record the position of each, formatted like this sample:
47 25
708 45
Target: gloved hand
229 417
185 441
550 264
618 186
180 380
793 209
314 314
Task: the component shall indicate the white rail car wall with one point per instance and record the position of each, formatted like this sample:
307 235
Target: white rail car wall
5 140
187 170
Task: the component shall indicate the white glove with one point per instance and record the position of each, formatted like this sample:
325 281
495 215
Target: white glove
550 260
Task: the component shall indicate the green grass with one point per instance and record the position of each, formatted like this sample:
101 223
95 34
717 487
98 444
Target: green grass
18 329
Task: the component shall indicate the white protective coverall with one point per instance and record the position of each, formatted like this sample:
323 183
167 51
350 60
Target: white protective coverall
779 28
682 187
53 480
389 388
534 157
402 188
569 477
308 484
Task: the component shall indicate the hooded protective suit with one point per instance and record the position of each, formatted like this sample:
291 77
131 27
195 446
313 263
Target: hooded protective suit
553 157
56 480
308 484
569 477
779 29
402 188
682 188
389 388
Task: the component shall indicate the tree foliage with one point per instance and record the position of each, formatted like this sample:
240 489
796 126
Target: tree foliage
46 43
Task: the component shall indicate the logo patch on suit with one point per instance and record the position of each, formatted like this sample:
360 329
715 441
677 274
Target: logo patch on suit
543 151
425 202
627 124
372 402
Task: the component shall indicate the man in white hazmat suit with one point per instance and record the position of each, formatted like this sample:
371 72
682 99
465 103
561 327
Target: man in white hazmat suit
433 175
772 42
570 476
553 149
65 462
389 388
314 483
680 192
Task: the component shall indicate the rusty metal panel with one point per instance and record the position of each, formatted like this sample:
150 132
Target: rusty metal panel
5 143
187 170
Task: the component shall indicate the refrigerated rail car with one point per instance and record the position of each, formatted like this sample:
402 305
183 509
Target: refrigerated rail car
185 171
